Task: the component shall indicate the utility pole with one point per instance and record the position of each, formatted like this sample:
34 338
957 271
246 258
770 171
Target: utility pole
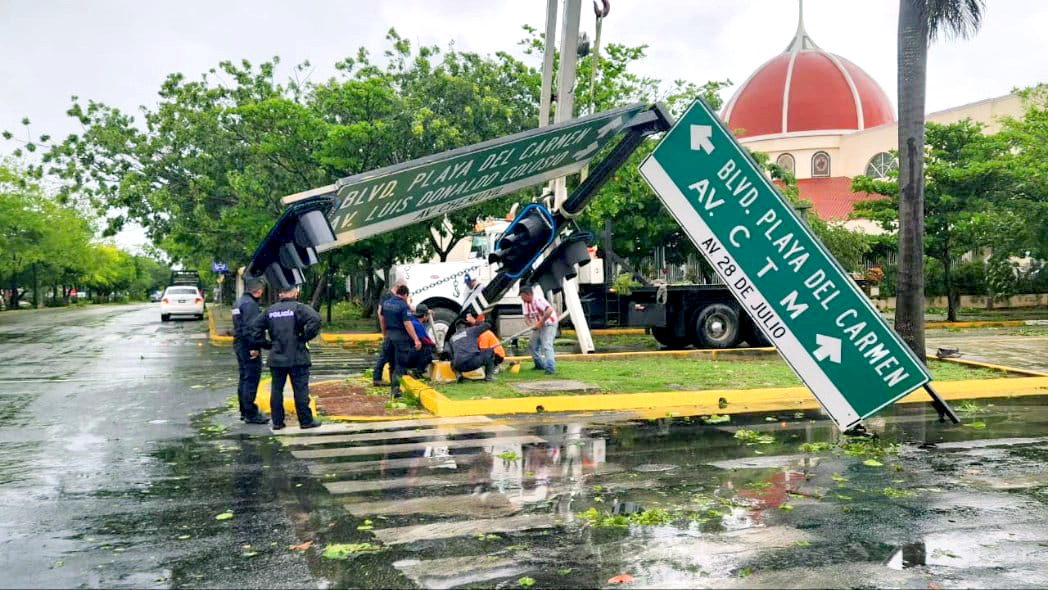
546 96
569 45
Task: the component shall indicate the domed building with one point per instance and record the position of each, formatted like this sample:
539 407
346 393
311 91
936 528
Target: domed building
826 120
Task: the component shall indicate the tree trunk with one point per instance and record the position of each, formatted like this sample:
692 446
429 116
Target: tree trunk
442 253
36 288
951 300
371 289
912 64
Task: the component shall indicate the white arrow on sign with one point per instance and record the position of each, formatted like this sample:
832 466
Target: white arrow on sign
829 347
610 126
700 138
586 151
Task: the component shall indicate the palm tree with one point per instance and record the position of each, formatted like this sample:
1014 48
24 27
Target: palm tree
920 23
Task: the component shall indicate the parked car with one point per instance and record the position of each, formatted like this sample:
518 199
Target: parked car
181 300
156 296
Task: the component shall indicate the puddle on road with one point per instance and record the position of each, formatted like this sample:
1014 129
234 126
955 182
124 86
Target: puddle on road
762 501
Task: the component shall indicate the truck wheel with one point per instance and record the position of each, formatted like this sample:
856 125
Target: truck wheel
442 320
755 338
665 337
716 326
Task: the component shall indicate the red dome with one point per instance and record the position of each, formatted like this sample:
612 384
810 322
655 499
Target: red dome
807 89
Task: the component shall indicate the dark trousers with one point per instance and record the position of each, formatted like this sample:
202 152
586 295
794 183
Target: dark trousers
485 358
400 364
300 384
250 375
421 358
384 357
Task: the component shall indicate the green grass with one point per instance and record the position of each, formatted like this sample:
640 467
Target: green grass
637 375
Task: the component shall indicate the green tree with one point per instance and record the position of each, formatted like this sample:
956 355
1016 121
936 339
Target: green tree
967 182
920 22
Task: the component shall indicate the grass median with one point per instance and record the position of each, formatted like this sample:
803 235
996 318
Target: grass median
642 375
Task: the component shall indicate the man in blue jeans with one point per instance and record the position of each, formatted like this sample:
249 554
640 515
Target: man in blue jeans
543 320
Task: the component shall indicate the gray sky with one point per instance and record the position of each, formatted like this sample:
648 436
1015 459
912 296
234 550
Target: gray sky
119 51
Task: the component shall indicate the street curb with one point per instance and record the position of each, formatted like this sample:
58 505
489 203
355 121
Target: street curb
212 331
975 324
262 399
706 353
350 337
717 401
358 337
607 331
982 365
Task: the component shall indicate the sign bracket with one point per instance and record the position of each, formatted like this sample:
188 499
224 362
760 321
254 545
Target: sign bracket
940 405
655 119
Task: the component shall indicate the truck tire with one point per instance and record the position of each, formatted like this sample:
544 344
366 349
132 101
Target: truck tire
442 320
665 337
716 326
754 337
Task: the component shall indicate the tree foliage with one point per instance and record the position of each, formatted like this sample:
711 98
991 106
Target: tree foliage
968 186
45 243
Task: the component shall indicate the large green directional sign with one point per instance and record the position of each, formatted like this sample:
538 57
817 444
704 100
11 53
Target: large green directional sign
823 326
385 199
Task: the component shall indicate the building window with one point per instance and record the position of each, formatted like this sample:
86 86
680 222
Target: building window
881 165
820 165
787 163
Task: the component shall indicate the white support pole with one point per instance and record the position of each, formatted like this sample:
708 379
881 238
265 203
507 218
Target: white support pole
578 315
546 96
569 44
569 55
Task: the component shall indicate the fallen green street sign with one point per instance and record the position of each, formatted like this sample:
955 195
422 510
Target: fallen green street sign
823 326
385 199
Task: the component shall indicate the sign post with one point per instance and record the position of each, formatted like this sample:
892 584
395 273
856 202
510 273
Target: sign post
395 196
795 291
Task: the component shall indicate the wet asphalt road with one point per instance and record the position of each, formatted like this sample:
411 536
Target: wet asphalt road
107 480
117 451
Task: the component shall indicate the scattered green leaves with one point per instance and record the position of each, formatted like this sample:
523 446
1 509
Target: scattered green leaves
508 456
224 516
345 550
895 493
526 582
718 419
751 437
815 447
872 463
977 425
366 525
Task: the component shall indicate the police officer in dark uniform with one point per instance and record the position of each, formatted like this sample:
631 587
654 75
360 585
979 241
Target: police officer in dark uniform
245 310
290 325
400 331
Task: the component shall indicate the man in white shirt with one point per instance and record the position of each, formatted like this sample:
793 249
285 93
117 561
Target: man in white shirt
543 320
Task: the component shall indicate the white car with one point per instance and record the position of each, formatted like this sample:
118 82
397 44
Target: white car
181 300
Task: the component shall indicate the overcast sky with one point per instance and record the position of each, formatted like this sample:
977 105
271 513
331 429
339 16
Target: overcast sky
119 51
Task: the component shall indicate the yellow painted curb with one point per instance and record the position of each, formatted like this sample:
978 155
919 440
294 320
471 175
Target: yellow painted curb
341 337
262 397
212 331
974 324
720 401
982 365
711 354
607 331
